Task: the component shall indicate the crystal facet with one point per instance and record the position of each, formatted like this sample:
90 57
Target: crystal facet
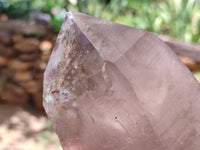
112 87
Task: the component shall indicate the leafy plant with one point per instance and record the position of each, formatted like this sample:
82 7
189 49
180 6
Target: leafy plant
15 8
2 84
197 75
48 137
177 18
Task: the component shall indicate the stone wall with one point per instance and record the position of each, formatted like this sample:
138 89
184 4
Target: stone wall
23 59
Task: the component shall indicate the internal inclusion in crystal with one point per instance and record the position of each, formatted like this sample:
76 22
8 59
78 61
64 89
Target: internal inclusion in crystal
83 62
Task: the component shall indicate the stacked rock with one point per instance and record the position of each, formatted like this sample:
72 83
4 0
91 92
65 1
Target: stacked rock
23 59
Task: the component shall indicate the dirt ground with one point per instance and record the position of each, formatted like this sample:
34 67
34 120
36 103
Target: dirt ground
25 129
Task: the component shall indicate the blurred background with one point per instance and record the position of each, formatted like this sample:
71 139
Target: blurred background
28 31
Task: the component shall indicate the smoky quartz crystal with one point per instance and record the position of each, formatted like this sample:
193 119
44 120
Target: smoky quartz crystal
112 87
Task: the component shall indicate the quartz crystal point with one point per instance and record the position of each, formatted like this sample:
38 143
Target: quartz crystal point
112 87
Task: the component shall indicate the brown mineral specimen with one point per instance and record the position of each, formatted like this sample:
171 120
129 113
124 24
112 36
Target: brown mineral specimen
45 46
112 87
28 45
16 64
23 76
14 94
5 37
16 38
3 61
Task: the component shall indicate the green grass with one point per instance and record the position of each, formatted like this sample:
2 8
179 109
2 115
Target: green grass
177 18
49 138
197 75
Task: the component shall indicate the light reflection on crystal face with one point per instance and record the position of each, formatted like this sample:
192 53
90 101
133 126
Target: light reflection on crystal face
49 102
70 15
49 98
65 91
64 94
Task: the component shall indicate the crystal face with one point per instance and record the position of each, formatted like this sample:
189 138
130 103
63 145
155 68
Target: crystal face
113 87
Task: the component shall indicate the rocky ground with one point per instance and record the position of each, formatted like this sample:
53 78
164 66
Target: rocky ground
25 129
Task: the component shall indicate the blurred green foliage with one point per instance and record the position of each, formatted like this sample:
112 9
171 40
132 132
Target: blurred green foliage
2 84
177 18
197 75
48 137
